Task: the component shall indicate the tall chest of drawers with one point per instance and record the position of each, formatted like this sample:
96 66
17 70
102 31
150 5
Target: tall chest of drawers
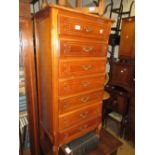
71 50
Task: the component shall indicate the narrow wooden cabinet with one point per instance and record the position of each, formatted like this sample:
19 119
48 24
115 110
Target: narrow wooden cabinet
127 41
71 58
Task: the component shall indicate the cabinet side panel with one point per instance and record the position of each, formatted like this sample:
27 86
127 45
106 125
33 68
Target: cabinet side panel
127 38
44 69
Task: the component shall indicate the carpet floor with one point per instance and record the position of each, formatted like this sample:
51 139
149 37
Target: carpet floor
127 148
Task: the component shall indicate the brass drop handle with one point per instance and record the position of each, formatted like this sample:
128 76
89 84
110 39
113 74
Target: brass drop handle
86 67
66 135
82 115
85 84
65 106
87 49
84 99
81 129
87 29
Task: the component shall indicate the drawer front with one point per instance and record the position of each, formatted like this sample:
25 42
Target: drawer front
82 114
77 131
82 100
79 48
81 67
75 26
80 85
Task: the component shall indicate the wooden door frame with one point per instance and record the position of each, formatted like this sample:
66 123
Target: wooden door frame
25 22
30 84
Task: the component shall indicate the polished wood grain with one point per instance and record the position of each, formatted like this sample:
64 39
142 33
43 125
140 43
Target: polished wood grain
27 49
76 67
71 103
70 25
43 63
86 48
127 41
74 117
74 86
74 77
24 9
122 74
78 130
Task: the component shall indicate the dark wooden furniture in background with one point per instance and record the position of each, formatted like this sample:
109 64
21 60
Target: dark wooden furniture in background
127 40
71 58
130 130
127 53
122 72
27 56
116 104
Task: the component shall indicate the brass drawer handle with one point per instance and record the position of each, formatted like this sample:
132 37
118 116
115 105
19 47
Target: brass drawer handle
84 114
87 49
83 127
85 84
84 99
86 67
65 106
88 29
66 135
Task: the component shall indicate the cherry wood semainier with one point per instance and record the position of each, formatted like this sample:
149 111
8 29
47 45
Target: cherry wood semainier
71 50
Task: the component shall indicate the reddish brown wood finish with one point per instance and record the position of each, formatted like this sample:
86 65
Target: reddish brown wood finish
76 67
68 87
127 42
83 27
25 27
122 74
71 77
82 114
77 131
67 104
24 9
88 48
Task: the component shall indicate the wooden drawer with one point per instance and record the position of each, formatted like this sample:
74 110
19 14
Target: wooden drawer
68 87
74 67
82 114
81 48
122 74
83 27
80 100
79 130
